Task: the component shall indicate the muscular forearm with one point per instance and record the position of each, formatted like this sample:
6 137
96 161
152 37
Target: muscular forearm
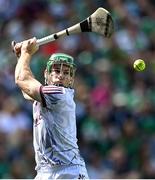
22 70
23 74
20 76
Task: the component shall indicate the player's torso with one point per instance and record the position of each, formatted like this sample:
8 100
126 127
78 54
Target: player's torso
61 114
55 131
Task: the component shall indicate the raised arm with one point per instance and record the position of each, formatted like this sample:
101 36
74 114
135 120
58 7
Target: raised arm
23 74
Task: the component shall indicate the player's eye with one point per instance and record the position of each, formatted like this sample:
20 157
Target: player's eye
66 72
57 71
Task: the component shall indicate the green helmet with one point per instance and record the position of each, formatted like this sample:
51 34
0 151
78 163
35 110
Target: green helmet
58 58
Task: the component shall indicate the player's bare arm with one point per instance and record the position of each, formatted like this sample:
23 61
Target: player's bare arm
17 50
27 97
23 74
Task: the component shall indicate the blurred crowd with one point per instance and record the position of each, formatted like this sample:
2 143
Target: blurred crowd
115 104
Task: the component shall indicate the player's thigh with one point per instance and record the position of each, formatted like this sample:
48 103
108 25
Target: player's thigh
63 172
43 175
72 172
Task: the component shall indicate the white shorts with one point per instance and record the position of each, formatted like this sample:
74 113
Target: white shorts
62 172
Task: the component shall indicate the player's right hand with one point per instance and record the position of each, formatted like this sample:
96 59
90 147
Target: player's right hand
29 46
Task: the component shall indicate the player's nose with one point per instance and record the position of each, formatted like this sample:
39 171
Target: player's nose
61 76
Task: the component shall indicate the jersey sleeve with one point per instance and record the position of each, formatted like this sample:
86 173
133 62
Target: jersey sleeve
50 95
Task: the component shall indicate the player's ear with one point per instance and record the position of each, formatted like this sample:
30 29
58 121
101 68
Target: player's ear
45 73
45 76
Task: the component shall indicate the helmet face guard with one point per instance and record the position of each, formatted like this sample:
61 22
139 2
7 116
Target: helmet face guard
62 59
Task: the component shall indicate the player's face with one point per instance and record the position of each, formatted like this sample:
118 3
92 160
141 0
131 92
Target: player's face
60 75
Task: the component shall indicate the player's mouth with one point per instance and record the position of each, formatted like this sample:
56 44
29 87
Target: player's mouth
60 83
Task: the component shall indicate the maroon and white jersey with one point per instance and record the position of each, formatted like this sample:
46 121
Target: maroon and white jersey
54 126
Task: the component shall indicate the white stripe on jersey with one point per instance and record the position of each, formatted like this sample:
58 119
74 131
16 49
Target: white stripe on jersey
53 89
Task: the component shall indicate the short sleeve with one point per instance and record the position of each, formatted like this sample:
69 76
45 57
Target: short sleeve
51 95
